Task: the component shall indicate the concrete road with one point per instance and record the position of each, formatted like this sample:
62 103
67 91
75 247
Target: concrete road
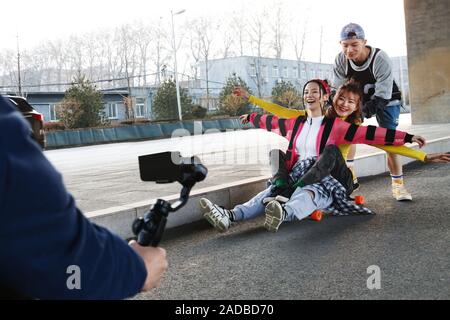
104 176
408 242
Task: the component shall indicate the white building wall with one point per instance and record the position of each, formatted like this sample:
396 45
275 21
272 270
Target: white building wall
288 70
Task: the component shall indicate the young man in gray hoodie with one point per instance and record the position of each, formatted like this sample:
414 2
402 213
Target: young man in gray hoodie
371 67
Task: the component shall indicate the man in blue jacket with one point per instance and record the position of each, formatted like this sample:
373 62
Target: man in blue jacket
48 249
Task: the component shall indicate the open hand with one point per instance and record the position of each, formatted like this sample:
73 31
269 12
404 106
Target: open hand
419 140
244 118
437 158
241 92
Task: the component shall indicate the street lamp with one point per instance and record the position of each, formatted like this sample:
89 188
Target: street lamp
175 56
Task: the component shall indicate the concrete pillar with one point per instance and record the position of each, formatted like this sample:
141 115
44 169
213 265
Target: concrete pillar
428 42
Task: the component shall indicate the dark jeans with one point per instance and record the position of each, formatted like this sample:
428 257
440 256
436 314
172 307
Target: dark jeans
330 162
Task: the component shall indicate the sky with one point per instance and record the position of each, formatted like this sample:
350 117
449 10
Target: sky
382 20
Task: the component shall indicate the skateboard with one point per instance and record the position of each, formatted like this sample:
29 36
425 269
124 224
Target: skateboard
317 215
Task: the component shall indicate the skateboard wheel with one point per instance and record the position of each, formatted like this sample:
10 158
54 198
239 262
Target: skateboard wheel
316 215
359 200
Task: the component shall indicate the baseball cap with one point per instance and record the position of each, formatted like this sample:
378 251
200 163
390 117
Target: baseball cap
352 31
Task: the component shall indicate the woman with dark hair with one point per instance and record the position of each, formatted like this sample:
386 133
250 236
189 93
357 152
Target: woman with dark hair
346 105
308 136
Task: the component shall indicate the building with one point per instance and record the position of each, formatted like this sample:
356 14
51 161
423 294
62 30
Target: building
114 103
261 74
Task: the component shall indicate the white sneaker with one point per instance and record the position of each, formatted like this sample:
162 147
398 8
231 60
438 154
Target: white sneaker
400 193
274 216
216 215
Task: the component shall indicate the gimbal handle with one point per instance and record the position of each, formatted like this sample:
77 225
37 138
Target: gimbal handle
150 228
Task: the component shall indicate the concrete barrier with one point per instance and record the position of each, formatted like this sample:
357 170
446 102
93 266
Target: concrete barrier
98 135
229 124
169 128
152 130
87 137
211 124
72 137
109 134
69 138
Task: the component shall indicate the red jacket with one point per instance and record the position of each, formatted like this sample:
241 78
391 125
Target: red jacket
332 131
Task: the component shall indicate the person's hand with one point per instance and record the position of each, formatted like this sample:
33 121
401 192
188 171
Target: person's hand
369 109
241 92
419 140
437 158
244 118
155 263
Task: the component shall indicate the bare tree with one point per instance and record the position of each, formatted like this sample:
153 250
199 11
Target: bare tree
3 68
76 54
299 37
33 64
127 51
58 55
143 39
195 51
225 26
112 56
257 34
42 60
239 32
278 27
321 42
202 36
90 55
102 38
160 52
8 68
299 42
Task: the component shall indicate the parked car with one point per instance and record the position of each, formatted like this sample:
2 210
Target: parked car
35 118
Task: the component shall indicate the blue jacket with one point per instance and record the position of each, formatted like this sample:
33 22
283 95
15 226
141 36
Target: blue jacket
42 232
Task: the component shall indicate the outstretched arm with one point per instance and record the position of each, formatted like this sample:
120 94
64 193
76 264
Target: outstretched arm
346 133
273 108
437 158
404 151
270 123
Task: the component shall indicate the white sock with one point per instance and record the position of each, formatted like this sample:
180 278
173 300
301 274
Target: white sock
397 179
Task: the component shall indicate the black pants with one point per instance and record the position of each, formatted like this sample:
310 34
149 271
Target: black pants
330 162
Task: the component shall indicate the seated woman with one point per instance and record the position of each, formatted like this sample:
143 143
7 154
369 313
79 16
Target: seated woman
308 137
330 162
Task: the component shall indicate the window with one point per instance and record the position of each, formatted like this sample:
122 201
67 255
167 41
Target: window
53 112
265 73
295 73
213 104
111 111
275 72
140 108
285 72
252 70
303 72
